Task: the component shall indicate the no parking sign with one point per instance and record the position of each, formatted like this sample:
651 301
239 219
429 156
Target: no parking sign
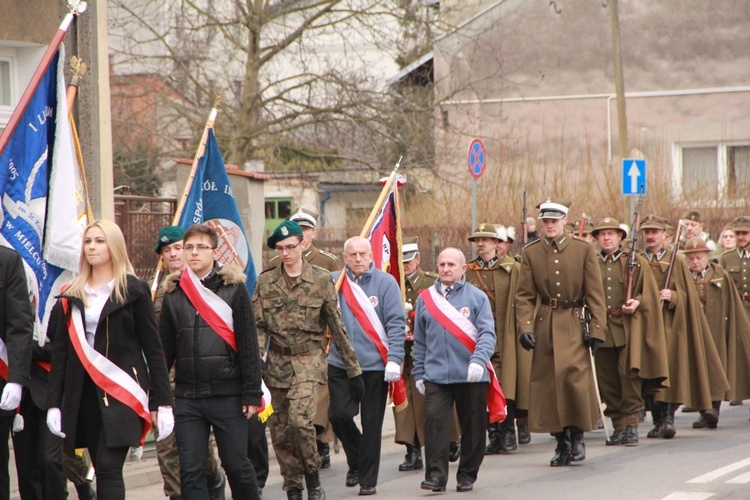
477 158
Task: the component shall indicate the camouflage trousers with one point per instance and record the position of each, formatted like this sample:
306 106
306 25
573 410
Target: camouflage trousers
293 432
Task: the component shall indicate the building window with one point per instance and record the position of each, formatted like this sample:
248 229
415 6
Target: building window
276 210
708 172
5 79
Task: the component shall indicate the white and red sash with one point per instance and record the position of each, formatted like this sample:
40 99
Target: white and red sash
109 377
465 332
3 360
210 306
368 319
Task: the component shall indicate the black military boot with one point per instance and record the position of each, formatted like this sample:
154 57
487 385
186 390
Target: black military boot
524 436
630 437
657 415
294 494
508 438
668 411
314 489
562 452
712 415
616 438
324 450
577 446
495 444
413 459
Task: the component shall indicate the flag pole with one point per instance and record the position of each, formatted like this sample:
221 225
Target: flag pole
79 69
193 170
76 7
375 211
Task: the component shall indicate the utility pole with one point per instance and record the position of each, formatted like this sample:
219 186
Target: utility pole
622 119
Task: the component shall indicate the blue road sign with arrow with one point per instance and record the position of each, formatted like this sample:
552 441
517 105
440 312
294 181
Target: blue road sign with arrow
633 177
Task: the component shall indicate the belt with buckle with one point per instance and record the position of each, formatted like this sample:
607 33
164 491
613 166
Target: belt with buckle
294 349
614 312
561 304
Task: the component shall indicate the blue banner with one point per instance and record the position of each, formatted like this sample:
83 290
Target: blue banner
24 182
211 201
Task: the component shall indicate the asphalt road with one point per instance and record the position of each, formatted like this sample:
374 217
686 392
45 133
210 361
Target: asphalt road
696 464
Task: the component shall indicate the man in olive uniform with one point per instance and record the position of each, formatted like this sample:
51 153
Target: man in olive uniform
410 421
497 276
695 370
730 327
294 304
308 221
634 351
737 261
559 275
693 223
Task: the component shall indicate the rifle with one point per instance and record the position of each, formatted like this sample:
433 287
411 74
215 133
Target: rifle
582 224
672 259
633 257
585 318
525 232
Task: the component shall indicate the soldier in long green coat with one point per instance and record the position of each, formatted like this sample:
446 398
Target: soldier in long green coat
559 274
729 325
294 304
496 274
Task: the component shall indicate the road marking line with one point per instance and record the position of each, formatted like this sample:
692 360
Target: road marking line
741 479
684 495
710 476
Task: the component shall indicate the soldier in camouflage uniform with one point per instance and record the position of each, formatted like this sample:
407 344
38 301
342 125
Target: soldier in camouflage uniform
294 304
410 421
496 274
308 221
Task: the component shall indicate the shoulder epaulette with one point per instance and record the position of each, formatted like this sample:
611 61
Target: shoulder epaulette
576 237
532 243
328 254
430 274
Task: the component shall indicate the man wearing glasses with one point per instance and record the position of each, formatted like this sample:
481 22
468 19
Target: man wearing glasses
294 303
208 332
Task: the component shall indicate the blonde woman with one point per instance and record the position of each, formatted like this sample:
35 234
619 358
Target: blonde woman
106 348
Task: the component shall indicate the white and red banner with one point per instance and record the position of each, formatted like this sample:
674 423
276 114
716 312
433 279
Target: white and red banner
465 332
210 306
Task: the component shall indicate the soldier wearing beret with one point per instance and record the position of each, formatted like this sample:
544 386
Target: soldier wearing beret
693 223
634 352
559 275
737 261
308 221
729 326
496 274
410 421
294 304
695 371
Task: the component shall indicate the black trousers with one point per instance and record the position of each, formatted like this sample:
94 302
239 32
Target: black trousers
471 405
38 455
362 448
257 449
194 419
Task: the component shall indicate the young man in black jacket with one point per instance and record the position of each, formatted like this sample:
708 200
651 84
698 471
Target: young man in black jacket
208 332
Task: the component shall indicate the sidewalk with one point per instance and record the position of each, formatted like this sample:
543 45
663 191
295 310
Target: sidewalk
146 471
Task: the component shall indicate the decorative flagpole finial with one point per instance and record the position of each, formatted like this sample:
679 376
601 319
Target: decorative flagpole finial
78 67
219 98
77 7
398 163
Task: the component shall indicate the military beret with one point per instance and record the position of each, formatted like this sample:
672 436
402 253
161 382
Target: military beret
741 223
487 230
696 244
168 235
553 208
409 248
305 217
692 215
609 223
652 221
285 230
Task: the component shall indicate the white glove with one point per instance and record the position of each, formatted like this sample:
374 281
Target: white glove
420 386
11 397
54 422
392 371
475 372
164 422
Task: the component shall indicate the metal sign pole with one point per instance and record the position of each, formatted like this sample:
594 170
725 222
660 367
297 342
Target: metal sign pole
473 214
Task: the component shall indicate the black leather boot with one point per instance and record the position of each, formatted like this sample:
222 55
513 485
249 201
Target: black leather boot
562 452
630 438
324 450
294 494
668 429
494 445
577 446
524 436
656 414
314 489
413 459
712 415
508 438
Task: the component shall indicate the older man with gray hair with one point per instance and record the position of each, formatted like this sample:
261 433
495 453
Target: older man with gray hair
373 315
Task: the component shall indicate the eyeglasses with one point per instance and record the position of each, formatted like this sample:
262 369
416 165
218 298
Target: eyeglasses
288 248
200 248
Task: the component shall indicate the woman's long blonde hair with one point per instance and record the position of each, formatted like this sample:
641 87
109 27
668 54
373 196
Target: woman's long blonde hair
121 265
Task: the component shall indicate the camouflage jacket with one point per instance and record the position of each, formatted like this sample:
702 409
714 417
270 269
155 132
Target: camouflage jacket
289 318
